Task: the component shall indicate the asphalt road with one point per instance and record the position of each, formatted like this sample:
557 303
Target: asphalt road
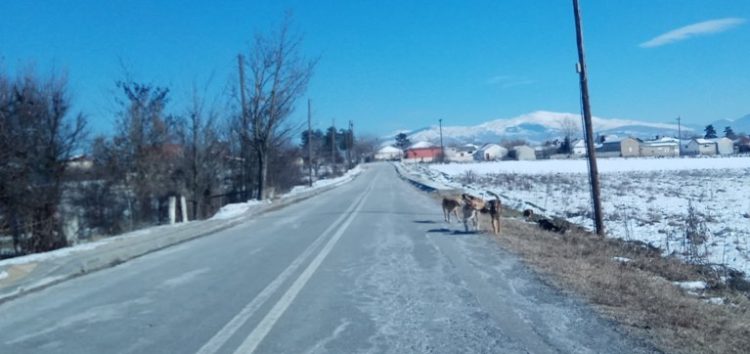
367 267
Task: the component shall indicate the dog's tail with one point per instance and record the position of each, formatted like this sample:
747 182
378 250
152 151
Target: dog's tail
497 197
495 207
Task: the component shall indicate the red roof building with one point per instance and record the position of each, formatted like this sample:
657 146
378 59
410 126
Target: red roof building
425 154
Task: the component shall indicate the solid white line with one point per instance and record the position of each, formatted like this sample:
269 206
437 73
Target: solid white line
259 333
221 337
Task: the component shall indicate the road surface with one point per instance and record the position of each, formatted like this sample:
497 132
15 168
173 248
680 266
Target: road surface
369 267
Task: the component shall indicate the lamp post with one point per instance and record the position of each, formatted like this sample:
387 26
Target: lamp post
442 149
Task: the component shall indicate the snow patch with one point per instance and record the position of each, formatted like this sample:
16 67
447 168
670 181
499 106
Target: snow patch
610 165
234 210
621 259
3 275
39 257
691 285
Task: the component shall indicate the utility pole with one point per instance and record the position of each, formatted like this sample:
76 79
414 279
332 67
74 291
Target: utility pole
333 145
243 130
309 144
442 149
679 136
350 143
593 169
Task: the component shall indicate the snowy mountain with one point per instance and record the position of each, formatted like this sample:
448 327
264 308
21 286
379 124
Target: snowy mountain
540 126
741 125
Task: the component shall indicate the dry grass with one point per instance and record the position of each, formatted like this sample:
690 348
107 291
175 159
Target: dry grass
639 294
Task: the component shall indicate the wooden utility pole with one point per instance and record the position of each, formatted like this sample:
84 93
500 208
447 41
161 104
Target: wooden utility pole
243 130
593 169
333 145
350 143
679 136
309 144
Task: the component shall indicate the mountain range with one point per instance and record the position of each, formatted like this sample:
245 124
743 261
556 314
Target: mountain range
540 126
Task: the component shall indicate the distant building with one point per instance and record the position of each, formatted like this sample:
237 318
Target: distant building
578 147
700 147
388 153
460 154
422 154
626 147
724 146
524 152
80 162
490 152
664 147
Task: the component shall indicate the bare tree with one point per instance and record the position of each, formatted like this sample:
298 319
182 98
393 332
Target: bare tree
278 77
146 145
570 130
37 138
202 162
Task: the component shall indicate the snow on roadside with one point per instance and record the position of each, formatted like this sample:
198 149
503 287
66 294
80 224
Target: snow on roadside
691 285
609 165
325 182
643 199
233 210
3 275
62 252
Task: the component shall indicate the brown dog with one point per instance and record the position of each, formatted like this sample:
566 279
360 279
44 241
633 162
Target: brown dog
450 205
494 208
470 214
472 206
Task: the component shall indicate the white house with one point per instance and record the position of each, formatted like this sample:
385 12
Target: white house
724 146
388 153
660 148
490 152
700 147
524 152
459 154
578 147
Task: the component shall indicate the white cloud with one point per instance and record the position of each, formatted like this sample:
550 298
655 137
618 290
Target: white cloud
696 29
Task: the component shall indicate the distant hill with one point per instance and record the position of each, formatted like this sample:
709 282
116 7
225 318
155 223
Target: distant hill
539 126
741 125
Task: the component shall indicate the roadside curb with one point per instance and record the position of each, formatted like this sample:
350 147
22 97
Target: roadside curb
55 271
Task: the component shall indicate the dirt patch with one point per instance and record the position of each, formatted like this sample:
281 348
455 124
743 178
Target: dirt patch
634 285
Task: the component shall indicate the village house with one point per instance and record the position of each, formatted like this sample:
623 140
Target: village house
664 147
578 147
460 154
626 147
724 146
422 154
388 153
490 152
524 152
700 146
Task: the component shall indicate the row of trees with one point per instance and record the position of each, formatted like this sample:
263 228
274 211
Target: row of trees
711 132
211 154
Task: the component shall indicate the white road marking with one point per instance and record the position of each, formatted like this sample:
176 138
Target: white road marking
221 337
259 333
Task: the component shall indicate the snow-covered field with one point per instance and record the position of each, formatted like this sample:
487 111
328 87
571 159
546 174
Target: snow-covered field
643 199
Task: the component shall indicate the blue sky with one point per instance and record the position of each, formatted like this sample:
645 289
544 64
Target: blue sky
388 64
